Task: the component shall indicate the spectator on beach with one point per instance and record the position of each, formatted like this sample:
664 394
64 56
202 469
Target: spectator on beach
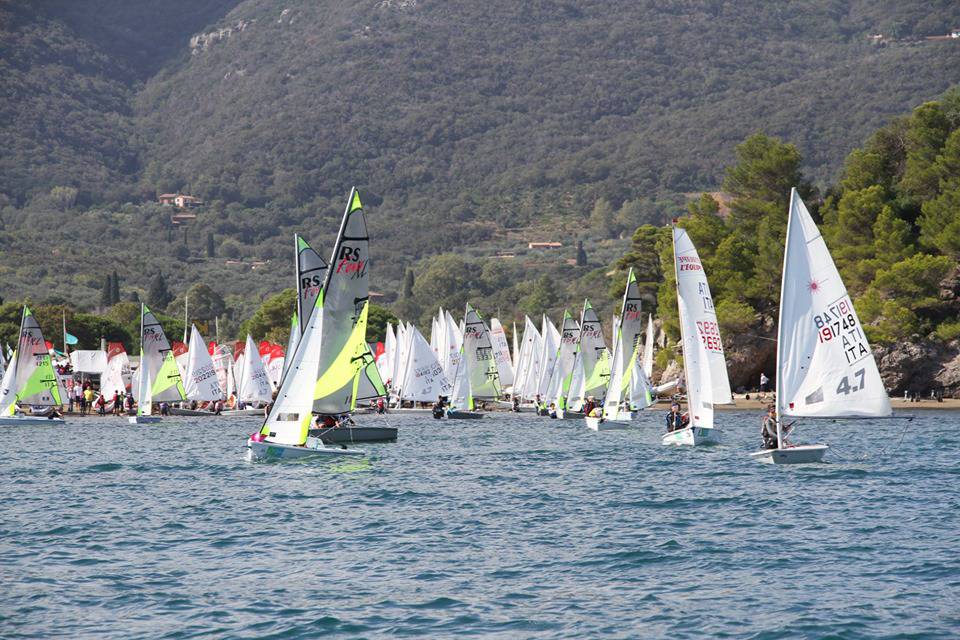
764 383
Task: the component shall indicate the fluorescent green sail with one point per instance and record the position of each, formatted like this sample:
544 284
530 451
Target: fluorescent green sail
345 365
168 377
601 371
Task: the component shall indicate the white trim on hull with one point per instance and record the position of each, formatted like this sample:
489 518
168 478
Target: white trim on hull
800 454
23 419
144 419
692 436
266 451
599 424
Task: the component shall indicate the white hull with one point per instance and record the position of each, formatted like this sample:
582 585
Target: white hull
22 419
262 451
243 412
692 436
626 416
801 454
599 424
144 419
569 415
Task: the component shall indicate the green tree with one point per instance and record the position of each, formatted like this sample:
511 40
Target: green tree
377 319
601 219
106 293
115 288
926 135
581 254
158 295
446 282
211 247
542 297
271 321
408 282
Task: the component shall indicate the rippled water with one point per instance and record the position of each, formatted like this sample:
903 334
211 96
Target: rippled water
512 527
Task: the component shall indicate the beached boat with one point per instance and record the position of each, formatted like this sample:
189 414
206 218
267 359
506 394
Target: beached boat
29 378
825 368
704 364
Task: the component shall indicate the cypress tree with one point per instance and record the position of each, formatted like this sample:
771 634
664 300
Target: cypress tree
581 254
115 289
106 292
211 249
408 282
158 295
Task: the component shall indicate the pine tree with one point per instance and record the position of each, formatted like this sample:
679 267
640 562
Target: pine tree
601 219
158 295
115 289
106 292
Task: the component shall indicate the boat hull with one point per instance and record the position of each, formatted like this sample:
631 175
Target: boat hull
463 415
569 415
346 435
599 424
268 451
243 412
144 419
692 436
800 454
36 420
176 411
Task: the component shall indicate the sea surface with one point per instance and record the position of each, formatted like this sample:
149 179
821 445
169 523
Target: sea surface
508 527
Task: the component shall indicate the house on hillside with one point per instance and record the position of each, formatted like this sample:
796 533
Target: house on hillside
544 245
179 200
955 33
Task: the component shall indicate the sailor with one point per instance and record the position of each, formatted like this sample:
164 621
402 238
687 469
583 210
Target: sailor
553 410
516 404
768 428
438 406
589 406
381 405
675 419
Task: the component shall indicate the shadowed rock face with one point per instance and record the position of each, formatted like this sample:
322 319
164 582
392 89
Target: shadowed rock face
920 367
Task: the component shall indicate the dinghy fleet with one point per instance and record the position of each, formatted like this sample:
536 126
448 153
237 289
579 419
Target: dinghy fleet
328 375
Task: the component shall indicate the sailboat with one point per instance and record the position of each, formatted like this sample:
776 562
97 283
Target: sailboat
562 376
29 378
158 377
330 369
200 383
704 364
626 392
477 377
423 378
825 368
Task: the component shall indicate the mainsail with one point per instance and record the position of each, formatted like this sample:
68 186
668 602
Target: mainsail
648 348
824 362
254 382
201 383
424 380
480 363
593 352
344 352
163 380
704 364
559 387
501 352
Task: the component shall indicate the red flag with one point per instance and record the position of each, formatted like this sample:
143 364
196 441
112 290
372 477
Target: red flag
212 347
49 345
114 349
238 348
264 349
378 351
276 351
179 349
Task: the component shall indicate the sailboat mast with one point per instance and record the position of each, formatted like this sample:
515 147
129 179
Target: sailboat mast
186 320
296 274
780 342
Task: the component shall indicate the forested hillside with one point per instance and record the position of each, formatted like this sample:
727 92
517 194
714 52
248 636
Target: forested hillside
470 129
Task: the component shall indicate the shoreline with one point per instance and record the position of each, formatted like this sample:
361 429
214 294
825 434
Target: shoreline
899 404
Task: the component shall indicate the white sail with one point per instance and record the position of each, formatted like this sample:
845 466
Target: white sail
562 374
291 345
578 379
111 382
648 349
290 417
593 353
460 396
824 362
548 355
254 382
614 394
454 342
704 364
144 390
424 380
385 361
201 382
501 352
528 344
